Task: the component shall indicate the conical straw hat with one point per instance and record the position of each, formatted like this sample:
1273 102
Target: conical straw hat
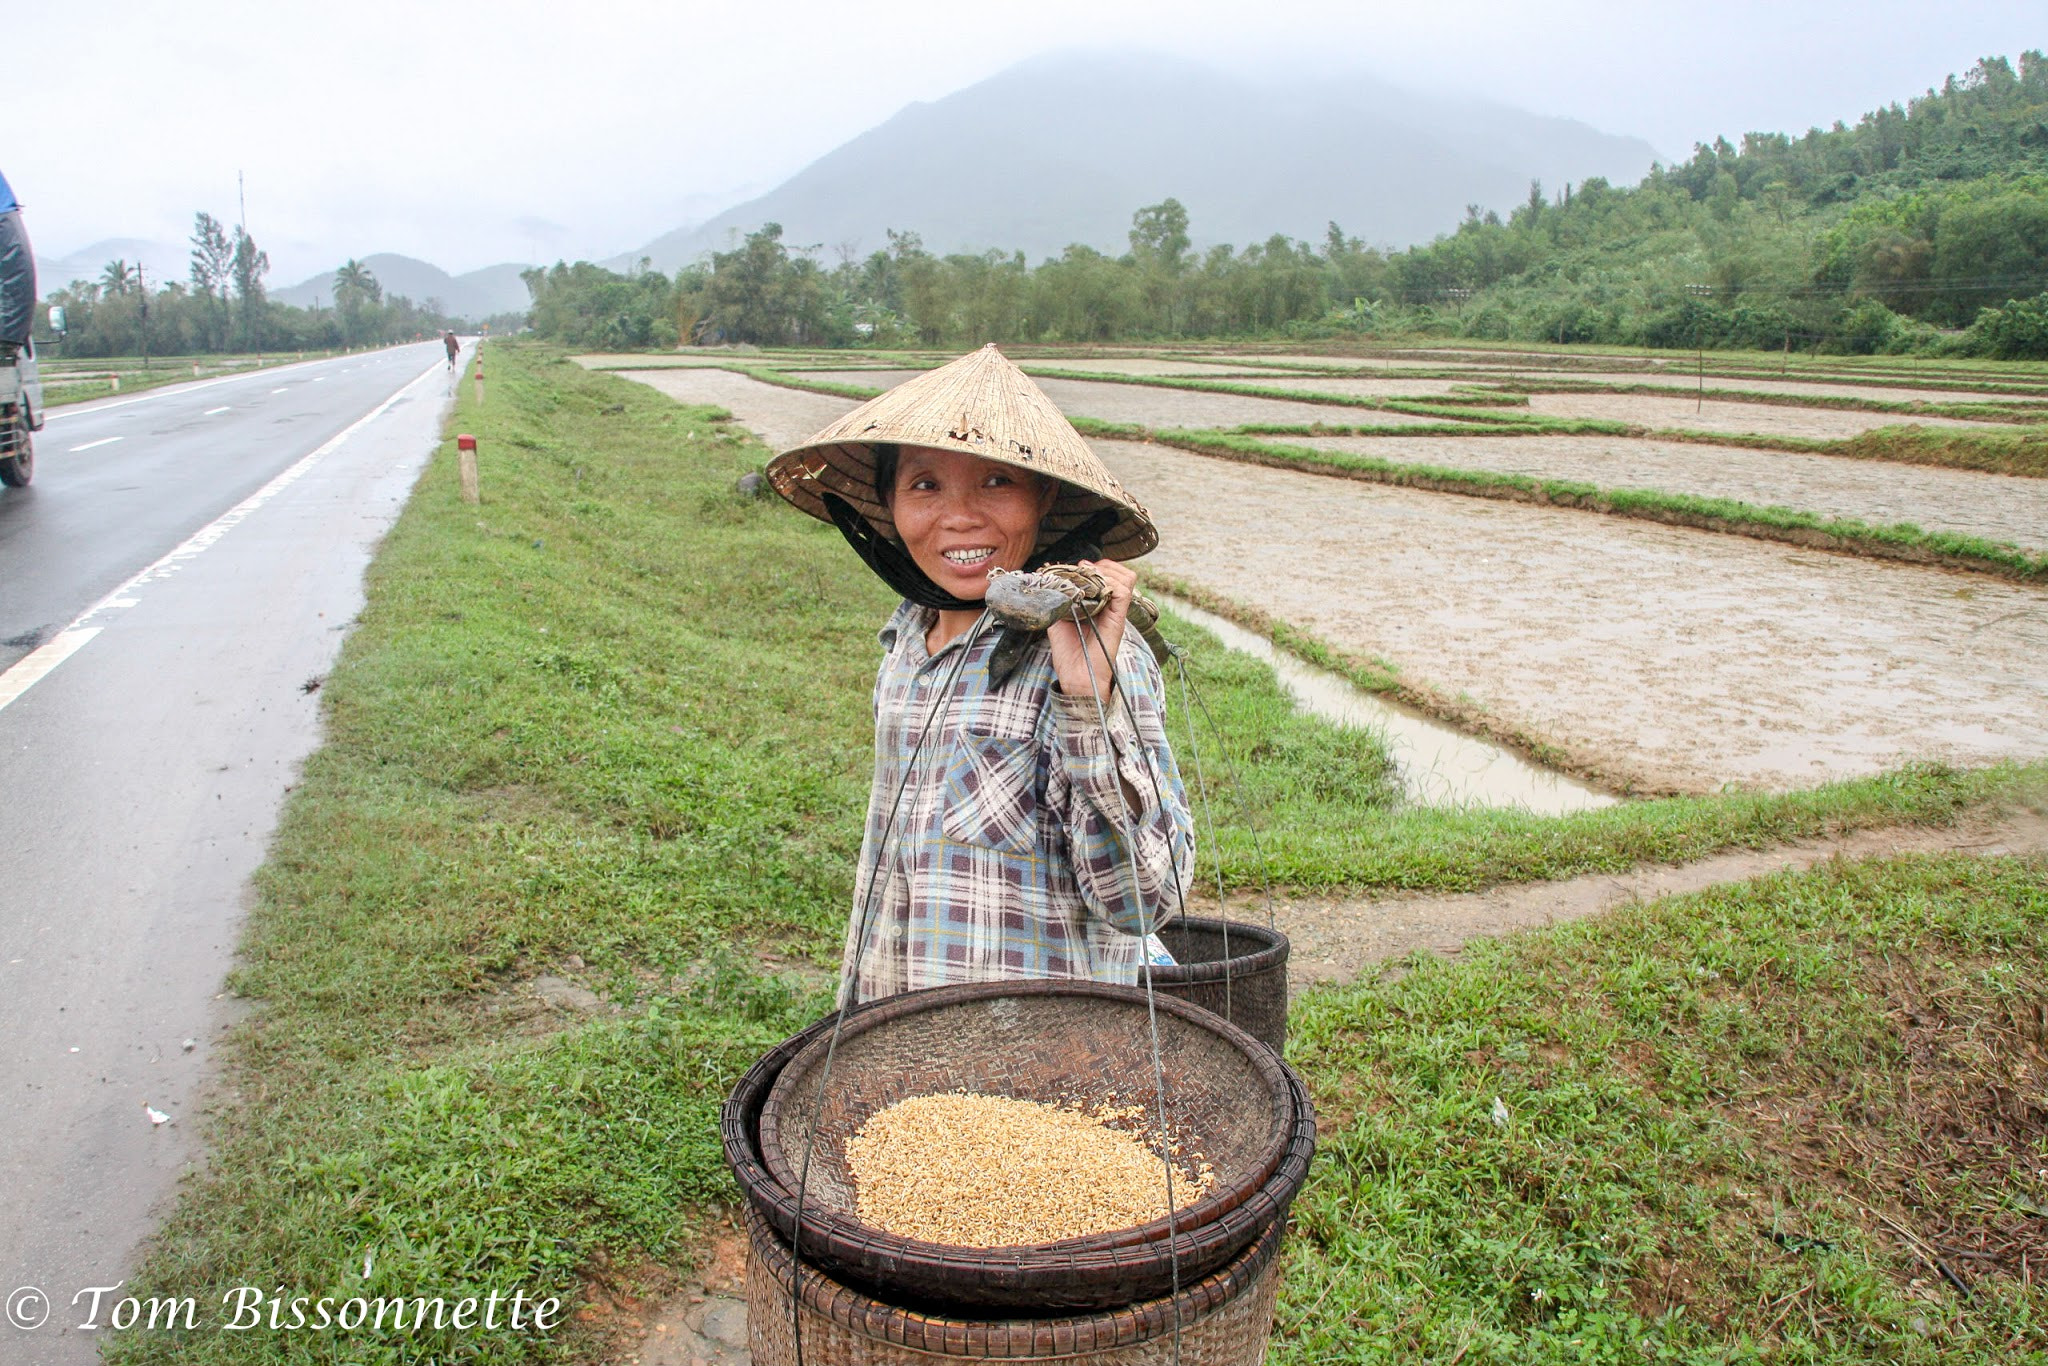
980 404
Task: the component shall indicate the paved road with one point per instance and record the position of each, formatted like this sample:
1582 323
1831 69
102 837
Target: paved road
185 562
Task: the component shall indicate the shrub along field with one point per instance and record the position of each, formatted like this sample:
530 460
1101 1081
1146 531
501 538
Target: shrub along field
579 847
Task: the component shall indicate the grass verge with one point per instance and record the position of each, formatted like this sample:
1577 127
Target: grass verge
577 848
1900 541
1781 1121
584 823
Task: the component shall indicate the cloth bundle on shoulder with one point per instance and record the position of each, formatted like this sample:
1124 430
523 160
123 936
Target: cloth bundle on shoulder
17 272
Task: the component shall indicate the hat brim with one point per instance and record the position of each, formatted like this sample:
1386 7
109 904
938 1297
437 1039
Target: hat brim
980 405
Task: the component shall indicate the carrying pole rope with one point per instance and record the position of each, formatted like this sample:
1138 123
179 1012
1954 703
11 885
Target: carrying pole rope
1147 926
1236 782
1208 819
849 988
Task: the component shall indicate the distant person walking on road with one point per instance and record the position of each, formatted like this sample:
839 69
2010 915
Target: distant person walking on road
448 340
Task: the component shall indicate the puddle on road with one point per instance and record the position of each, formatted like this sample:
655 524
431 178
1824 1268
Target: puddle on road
1439 766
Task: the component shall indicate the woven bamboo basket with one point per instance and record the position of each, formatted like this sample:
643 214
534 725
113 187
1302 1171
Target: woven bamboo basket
1230 1098
1223 1319
1239 971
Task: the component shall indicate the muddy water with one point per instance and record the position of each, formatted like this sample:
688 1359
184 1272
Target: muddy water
1997 507
1439 766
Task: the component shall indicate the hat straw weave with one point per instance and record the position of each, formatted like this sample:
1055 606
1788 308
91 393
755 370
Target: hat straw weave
980 404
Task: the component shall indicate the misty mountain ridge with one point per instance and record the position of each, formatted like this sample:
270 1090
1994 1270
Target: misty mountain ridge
1063 148
474 295
161 261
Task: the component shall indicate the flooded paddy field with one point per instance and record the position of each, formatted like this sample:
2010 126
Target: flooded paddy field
1720 415
1151 406
1666 657
1996 507
1660 658
1682 384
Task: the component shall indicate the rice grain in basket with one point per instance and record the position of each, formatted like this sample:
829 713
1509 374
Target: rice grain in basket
990 1171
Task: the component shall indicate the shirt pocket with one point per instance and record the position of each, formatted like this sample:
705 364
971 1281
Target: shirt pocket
992 799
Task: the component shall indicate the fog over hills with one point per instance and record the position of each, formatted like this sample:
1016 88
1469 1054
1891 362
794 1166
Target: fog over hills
1063 148
475 295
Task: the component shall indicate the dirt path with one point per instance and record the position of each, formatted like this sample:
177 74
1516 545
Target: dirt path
1674 659
1997 507
1335 939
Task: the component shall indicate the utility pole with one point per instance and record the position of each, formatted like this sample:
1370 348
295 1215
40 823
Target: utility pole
142 285
1698 340
242 208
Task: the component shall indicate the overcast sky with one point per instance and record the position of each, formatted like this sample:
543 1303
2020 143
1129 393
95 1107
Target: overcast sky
522 130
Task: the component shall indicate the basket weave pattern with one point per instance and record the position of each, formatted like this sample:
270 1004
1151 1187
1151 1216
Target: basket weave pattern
1224 1320
1229 1098
1247 988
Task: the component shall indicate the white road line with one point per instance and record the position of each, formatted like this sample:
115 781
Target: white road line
211 411
277 391
103 441
32 669
29 670
268 371
319 379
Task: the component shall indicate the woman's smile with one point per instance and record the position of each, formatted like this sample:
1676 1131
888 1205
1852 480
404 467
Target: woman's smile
960 515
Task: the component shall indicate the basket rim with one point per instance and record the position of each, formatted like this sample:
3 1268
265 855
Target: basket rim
1274 951
769 1201
858 1312
1208 1230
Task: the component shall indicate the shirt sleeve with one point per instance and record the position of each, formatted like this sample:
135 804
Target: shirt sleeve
1094 780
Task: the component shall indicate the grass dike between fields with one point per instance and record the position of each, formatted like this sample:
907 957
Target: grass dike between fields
602 743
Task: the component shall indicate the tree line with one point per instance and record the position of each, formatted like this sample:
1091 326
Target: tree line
223 306
1923 228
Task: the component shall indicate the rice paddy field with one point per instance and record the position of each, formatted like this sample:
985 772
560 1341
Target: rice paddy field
1656 794
1664 659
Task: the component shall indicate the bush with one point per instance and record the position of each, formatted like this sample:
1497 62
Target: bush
2018 331
1865 329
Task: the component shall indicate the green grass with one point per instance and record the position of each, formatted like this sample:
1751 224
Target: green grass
1899 541
1712 1105
613 725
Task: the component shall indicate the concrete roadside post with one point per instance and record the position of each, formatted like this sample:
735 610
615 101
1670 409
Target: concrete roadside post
465 447
479 375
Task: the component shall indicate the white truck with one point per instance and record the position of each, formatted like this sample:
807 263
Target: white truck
21 390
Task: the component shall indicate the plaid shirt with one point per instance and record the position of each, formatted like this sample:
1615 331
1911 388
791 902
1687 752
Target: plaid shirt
1008 857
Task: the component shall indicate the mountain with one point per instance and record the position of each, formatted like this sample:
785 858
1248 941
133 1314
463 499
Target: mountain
475 295
1062 149
161 261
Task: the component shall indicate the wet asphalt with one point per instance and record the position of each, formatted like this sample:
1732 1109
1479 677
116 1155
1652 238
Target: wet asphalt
175 581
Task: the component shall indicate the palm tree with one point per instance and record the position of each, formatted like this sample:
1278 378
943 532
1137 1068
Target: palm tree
354 287
119 277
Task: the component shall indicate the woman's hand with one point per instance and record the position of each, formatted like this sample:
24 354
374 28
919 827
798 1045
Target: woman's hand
1069 661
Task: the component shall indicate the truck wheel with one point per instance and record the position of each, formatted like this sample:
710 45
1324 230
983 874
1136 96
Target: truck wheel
17 469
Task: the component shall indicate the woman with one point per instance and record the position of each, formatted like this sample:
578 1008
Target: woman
1022 824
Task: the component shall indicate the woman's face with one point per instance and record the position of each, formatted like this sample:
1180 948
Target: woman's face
959 515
